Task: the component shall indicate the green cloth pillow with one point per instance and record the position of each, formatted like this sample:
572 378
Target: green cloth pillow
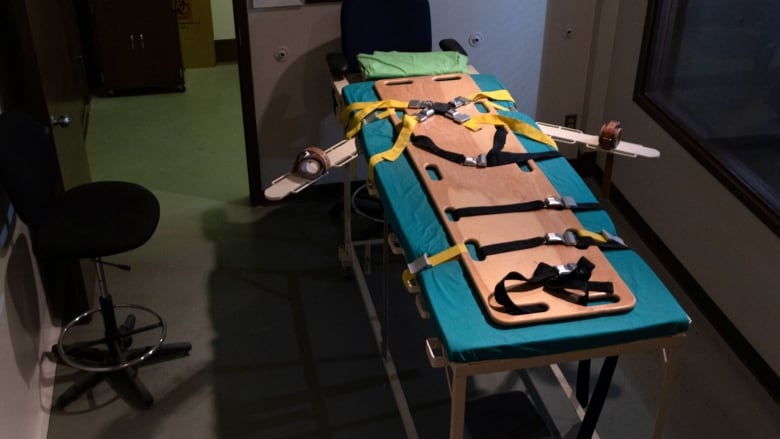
401 64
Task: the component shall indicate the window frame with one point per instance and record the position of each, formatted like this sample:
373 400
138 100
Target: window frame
744 185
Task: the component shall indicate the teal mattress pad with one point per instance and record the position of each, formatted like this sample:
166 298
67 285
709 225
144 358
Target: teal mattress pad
465 331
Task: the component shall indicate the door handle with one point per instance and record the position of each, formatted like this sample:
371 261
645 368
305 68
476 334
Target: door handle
62 121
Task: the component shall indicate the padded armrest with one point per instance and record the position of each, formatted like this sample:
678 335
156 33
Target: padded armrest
337 64
450 44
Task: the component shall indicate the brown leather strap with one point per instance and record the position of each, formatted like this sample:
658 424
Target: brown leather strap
311 163
609 137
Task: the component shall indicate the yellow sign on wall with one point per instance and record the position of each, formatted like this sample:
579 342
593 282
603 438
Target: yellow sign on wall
196 33
184 11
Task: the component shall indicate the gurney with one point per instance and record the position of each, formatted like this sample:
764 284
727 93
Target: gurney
468 341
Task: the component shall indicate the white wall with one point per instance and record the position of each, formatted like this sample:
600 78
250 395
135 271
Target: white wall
26 331
222 19
731 254
292 98
565 61
511 47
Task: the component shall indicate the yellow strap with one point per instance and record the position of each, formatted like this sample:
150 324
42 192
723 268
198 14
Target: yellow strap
439 258
385 114
363 109
598 237
353 114
518 126
495 95
346 112
393 153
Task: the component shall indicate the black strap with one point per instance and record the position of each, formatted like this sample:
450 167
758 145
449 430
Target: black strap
555 282
496 157
510 246
527 206
425 143
580 242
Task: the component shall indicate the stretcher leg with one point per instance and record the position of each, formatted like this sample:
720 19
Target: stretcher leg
606 178
672 360
458 407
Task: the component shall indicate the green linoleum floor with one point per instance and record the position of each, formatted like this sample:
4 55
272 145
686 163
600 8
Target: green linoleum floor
190 143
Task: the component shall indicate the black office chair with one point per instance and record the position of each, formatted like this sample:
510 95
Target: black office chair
92 221
384 25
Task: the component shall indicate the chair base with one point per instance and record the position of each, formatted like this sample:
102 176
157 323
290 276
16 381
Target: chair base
128 377
112 356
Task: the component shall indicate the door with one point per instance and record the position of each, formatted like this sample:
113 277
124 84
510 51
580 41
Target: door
51 85
52 53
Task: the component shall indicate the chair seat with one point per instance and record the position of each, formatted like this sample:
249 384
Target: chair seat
98 219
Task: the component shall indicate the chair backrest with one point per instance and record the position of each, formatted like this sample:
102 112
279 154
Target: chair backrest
369 25
29 170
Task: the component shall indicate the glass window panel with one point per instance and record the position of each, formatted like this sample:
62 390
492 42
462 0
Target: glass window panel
713 68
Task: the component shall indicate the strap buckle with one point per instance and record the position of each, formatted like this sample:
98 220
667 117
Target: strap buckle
425 114
613 238
414 104
566 268
479 161
560 203
370 117
460 118
419 264
568 238
569 202
553 238
554 203
459 102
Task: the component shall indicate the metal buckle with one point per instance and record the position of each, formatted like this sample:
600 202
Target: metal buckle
479 161
457 117
459 101
440 107
570 237
414 104
371 188
566 268
566 238
613 238
426 113
569 202
553 238
564 202
554 203
370 117
419 264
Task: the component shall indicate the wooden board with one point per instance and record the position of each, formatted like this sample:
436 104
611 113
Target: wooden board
460 186
339 155
570 135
